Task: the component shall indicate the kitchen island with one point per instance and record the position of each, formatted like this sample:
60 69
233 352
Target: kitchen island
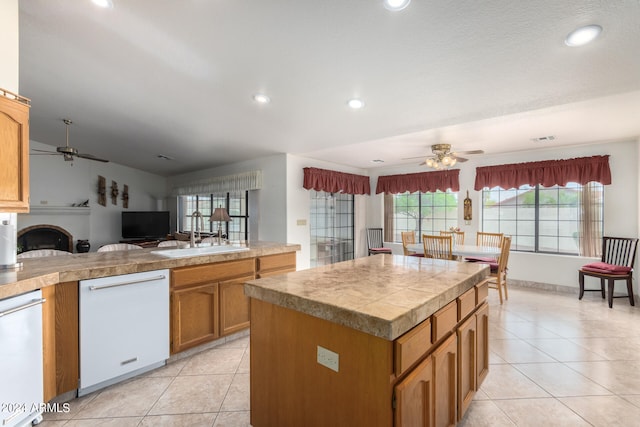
378 341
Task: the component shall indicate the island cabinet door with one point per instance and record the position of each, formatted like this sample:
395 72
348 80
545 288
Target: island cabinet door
445 362
482 344
414 397
234 306
466 364
194 314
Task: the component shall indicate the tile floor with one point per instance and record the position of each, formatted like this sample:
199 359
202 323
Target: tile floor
555 361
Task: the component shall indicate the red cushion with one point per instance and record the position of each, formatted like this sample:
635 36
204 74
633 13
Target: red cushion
380 250
494 267
418 255
603 267
480 259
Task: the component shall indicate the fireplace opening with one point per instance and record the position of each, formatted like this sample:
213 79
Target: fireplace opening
44 236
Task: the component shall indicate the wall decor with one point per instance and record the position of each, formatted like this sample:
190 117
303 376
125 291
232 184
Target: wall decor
125 196
102 191
114 192
468 214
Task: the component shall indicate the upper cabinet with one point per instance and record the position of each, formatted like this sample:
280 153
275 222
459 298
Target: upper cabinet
14 152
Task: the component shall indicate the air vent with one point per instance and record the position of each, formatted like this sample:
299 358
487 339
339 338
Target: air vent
544 138
163 157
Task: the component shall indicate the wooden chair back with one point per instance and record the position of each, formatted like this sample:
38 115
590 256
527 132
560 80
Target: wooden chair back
458 236
439 247
498 280
619 250
489 239
408 238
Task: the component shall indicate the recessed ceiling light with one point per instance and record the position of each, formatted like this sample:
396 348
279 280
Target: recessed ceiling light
396 4
261 98
356 104
583 35
107 4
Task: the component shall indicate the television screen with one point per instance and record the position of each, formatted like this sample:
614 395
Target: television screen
145 224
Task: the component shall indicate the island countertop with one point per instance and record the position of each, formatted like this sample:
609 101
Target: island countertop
382 295
37 273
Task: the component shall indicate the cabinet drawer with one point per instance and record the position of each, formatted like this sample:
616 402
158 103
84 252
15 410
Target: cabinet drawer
444 320
286 261
411 346
466 303
482 292
212 272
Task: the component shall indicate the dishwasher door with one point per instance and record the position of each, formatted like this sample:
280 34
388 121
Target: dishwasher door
21 359
124 327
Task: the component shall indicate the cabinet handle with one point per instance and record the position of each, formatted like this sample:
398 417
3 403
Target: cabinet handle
125 362
131 282
22 307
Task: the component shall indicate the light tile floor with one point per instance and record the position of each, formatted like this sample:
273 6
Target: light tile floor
555 361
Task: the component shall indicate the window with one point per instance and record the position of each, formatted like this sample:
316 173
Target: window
554 219
237 204
424 213
331 227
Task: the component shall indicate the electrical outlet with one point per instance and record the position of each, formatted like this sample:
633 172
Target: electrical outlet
328 359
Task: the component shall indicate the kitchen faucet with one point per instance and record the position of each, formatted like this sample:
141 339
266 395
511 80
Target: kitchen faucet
196 214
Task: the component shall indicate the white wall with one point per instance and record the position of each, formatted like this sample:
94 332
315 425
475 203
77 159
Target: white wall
56 183
621 205
299 204
9 36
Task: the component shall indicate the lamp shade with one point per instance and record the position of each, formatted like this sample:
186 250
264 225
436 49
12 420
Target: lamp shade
220 214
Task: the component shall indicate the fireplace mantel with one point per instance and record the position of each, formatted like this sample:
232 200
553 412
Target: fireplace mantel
59 210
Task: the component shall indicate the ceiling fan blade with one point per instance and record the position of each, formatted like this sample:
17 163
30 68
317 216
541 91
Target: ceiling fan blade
43 151
468 152
461 159
423 163
413 158
91 157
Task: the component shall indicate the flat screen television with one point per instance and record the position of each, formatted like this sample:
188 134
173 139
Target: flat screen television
145 224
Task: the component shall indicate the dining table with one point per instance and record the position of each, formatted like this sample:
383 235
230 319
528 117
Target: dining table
463 250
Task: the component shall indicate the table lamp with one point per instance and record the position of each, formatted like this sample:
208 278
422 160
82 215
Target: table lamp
220 214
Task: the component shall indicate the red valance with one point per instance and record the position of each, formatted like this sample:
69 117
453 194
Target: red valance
335 182
547 173
426 182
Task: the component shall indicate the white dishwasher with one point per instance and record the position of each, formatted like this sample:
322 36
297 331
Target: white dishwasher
21 359
124 327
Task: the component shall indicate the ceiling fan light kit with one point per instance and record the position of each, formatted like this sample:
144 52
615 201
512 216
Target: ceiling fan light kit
443 157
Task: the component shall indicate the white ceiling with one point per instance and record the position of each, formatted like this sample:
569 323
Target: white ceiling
152 77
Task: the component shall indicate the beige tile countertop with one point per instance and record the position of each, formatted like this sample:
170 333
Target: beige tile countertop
36 273
382 295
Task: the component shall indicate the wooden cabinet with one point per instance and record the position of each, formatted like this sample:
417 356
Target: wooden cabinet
208 301
414 397
14 152
466 364
60 339
271 265
194 316
482 344
445 362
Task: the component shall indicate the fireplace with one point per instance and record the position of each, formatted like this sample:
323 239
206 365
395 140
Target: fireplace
44 236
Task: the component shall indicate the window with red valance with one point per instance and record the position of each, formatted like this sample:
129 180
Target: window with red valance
425 182
581 170
335 182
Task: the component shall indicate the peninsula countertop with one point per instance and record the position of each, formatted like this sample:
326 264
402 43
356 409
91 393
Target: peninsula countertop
382 295
37 273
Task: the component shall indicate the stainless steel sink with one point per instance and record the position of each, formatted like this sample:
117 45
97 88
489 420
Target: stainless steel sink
204 250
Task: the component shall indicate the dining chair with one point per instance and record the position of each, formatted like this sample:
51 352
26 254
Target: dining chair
457 235
118 247
489 239
498 277
375 242
37 253
439 247
618 257
409 238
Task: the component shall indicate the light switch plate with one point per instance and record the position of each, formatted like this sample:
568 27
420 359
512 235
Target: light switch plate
328 359
302 222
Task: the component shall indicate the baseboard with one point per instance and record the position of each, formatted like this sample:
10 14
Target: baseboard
551 287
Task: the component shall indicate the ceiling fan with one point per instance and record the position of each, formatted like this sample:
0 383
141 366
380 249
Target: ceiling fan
68 152
443 157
